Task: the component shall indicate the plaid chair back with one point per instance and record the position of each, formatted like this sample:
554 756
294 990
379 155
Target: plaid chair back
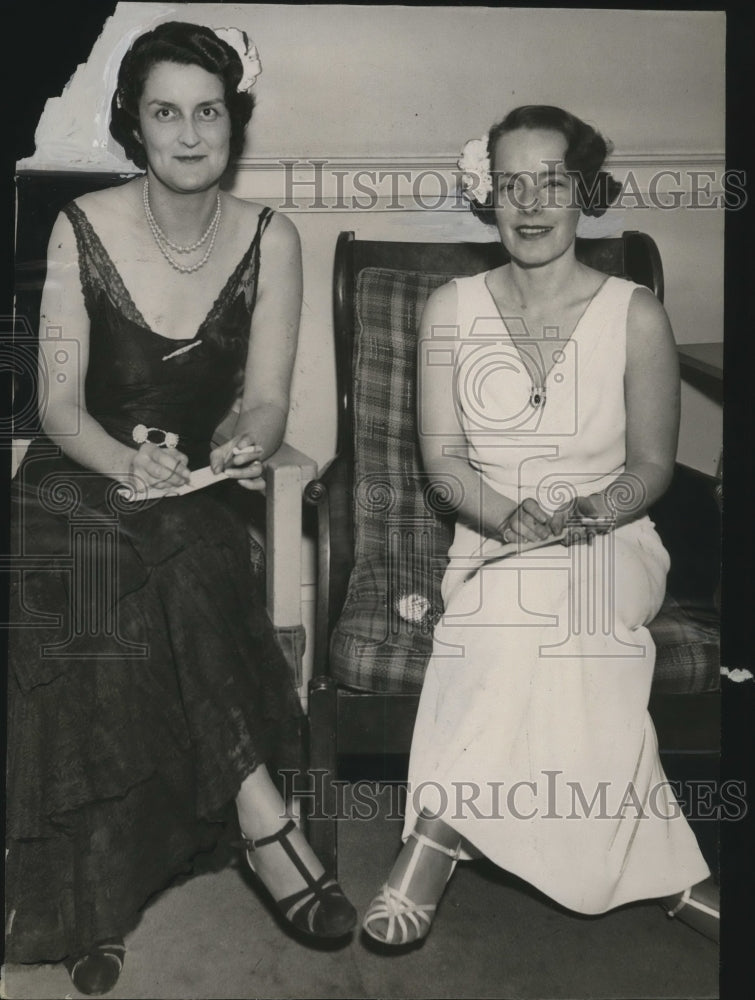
383 638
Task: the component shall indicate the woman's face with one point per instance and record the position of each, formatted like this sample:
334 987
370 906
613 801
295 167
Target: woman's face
535 209
185 126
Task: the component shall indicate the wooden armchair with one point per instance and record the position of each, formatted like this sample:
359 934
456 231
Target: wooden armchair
40 197
384 533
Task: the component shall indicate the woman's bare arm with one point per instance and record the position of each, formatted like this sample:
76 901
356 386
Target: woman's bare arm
651 392
651 388
63 363
272 351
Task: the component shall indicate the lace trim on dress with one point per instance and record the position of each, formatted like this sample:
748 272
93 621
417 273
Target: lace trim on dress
245 275
98 273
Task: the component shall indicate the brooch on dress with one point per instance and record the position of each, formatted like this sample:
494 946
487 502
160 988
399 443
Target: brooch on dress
537 396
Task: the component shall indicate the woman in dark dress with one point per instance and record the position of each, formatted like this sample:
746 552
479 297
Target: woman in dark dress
147 692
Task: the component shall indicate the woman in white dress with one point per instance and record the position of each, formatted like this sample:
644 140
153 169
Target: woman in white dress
533 745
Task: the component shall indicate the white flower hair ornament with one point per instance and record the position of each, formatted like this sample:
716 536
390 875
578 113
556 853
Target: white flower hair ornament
247 53
474 163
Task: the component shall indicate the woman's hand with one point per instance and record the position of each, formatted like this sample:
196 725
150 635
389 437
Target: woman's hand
240 459
527 523
159 468
584 517
597 512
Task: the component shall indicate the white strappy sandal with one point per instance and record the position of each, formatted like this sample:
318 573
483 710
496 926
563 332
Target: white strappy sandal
407 921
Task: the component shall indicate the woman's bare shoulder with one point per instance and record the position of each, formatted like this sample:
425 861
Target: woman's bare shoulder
441 303
280 230
110 198
645 308
109 206
648 326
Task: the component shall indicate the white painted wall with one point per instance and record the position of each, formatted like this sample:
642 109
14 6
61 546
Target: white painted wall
405 87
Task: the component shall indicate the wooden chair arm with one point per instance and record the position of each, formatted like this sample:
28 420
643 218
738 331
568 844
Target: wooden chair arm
287 472
331 495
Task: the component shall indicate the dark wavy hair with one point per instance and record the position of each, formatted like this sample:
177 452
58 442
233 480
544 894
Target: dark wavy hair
586 152
187 45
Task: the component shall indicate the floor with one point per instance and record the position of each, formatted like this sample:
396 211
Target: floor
212 936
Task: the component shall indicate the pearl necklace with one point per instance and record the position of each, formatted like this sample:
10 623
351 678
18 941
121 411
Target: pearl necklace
165 245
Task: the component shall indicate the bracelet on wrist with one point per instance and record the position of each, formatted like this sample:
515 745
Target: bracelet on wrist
610 503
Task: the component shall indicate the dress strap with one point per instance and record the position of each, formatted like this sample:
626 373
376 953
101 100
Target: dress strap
97 271
245 276
262 223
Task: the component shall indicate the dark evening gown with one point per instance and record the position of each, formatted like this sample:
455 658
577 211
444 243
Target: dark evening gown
145 679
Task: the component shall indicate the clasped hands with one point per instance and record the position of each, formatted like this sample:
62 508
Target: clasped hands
168 468
577 521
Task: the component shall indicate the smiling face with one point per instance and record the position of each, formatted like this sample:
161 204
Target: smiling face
535 210
185 126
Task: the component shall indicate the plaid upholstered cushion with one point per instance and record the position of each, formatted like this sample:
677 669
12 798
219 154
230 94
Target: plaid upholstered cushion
687 648
384 636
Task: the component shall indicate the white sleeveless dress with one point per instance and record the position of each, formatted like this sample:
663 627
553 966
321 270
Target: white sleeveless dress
533 738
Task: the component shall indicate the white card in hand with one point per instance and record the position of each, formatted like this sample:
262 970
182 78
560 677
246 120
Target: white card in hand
493 549
198 479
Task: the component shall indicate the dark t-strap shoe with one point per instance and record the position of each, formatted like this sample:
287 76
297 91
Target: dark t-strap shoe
320 909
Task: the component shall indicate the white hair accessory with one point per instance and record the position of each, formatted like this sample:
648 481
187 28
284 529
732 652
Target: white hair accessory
247 53
474 163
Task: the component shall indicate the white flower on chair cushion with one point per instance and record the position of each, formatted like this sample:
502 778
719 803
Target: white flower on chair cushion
413 607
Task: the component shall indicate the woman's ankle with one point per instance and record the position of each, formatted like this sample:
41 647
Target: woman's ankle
403 910
273 864
432 826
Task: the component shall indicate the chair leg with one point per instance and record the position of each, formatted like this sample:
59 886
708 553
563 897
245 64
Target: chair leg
322 815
